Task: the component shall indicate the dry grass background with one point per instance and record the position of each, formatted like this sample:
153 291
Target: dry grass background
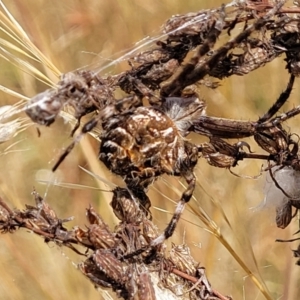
78 33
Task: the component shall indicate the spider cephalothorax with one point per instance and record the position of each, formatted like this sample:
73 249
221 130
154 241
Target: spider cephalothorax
146 142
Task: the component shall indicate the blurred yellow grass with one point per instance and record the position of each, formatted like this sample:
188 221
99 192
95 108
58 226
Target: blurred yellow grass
76 34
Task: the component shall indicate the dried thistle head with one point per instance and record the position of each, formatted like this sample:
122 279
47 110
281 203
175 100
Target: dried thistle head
219 153
84 91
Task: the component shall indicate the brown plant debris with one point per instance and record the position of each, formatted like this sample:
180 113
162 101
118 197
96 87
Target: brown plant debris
146 276
143 133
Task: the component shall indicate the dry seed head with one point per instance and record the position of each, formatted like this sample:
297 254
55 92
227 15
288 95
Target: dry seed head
145 286
84 91
112 267
159 73
101 237
181 257
253 59
125 208
191 24
4 216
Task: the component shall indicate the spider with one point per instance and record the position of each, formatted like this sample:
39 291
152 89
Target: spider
142 144
138 143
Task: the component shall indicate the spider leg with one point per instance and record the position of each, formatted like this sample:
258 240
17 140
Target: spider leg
75 127
168 232
185 198
281 118
87 127
279 102
227 128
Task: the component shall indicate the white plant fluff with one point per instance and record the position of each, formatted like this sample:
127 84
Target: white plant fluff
288 180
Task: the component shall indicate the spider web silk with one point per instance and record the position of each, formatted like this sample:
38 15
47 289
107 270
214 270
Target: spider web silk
289 180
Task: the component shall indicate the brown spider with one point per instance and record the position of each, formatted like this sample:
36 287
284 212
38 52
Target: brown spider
141 143
146 142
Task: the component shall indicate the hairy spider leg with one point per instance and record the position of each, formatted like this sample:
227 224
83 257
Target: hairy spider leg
120 106
228 129
87 127
283 117
185 198
279 102
190 178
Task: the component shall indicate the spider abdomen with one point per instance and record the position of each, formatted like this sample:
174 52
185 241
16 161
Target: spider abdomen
141 144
